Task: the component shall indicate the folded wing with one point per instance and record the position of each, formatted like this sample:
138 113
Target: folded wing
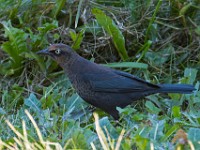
117 81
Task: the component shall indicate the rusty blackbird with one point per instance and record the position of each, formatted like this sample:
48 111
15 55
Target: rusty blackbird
104 87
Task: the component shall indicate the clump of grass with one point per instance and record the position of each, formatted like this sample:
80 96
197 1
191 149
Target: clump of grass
105 139
22 139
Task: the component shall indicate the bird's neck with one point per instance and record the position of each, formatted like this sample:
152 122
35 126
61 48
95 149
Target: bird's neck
75 66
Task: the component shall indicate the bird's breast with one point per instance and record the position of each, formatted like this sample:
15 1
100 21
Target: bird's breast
82 87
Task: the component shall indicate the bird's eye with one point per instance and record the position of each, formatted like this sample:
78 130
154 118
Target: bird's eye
57 51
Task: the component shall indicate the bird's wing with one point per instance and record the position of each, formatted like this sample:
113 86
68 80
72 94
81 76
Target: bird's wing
117 81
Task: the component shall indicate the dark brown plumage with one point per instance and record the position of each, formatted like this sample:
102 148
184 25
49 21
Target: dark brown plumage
104 87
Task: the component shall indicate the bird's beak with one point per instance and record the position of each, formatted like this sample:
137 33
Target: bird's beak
43 52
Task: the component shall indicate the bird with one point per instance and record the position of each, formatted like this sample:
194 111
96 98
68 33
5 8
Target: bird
104 87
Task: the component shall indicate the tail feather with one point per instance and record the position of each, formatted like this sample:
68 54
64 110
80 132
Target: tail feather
176 88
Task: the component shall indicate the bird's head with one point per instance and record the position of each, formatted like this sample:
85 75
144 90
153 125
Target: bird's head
61 53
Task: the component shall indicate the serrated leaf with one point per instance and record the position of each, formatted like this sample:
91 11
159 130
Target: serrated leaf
33 103
193 134
48 26
15 46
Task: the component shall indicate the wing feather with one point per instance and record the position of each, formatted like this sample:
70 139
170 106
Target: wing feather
117 82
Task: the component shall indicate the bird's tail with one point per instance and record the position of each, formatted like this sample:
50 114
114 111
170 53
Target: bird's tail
176 88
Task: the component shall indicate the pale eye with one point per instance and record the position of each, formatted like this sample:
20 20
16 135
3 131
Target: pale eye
57 51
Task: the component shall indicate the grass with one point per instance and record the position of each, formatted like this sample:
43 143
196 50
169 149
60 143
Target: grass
21 141
156 40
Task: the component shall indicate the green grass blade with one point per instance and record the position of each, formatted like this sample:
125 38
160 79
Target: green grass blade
152 20
59 5
127 65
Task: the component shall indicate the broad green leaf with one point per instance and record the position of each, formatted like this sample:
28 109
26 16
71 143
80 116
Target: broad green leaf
138 116
15 46
50 97
193 134
33 103
141 142
190 75
77 38
160 57
73 34
152 107
2 111
184 9
126 111
48 26
176 111
170 131
111 28
175 96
